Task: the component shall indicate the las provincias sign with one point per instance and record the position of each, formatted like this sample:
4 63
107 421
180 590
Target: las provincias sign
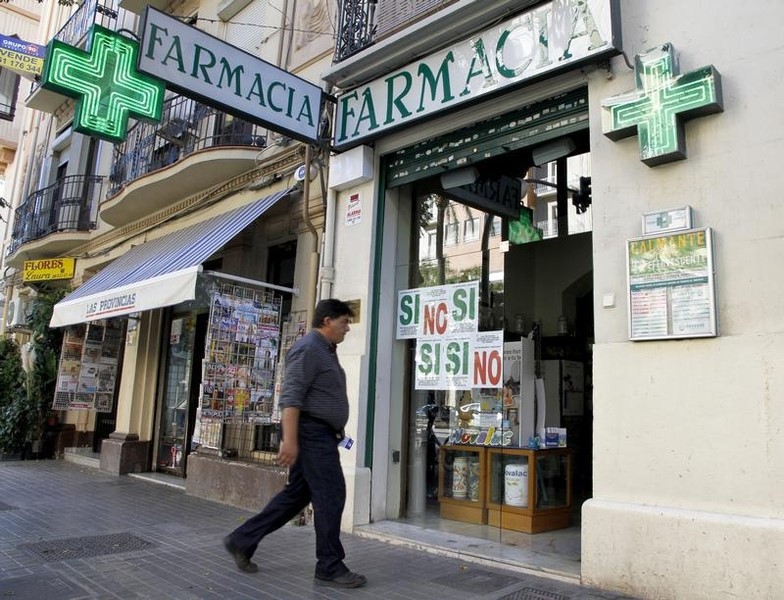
550 38
199 65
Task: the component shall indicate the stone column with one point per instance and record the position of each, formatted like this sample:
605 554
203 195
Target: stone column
129 448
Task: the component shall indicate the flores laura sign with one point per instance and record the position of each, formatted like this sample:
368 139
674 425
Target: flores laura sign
553 37
48 269
199 65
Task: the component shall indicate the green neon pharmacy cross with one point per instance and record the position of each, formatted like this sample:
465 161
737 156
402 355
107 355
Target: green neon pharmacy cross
663 100
104 81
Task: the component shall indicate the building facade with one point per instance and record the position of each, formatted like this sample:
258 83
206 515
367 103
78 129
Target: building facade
21 21
673 427
522 177
187 248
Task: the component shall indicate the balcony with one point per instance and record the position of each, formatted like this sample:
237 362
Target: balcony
376 37
192 149
74 33
54 219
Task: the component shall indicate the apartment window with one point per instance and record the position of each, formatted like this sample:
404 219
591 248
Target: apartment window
471 229
450 234
428 245
495 228
9 88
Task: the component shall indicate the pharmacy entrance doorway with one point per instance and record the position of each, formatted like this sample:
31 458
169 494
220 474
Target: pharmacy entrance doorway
507 463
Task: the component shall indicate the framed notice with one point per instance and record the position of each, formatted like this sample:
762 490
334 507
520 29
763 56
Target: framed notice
671 286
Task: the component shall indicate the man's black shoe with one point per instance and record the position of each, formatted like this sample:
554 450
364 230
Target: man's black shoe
349 579
240 558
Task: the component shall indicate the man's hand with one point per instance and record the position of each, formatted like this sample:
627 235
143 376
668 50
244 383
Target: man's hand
289 445
288 452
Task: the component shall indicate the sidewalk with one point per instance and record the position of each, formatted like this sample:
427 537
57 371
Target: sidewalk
143 540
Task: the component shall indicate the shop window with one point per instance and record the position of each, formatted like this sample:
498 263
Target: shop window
471 230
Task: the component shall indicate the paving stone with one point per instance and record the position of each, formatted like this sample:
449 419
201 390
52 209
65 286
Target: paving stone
182 557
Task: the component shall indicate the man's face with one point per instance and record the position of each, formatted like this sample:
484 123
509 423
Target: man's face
336 329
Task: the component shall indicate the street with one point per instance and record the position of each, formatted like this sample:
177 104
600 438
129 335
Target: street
70 532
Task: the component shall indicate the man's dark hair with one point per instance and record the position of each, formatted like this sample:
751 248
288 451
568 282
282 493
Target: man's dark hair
332 308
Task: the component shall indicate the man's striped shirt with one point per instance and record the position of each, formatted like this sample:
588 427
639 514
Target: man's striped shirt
314 381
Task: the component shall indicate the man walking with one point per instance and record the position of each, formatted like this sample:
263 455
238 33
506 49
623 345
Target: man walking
315 411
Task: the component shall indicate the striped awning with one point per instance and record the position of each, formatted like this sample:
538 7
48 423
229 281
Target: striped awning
158 273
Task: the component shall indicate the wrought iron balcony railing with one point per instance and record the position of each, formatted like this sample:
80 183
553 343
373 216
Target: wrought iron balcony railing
356 27
187 127
361 23
92 12
65 205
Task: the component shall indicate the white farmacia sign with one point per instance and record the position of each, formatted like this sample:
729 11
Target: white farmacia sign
554 36
199 65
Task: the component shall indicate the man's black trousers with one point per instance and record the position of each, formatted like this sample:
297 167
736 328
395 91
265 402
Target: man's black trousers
315 477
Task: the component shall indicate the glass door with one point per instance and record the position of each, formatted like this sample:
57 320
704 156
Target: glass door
175 403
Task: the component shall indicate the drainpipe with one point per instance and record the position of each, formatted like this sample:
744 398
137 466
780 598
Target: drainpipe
283 15
279 57
314 255
327 277
329 197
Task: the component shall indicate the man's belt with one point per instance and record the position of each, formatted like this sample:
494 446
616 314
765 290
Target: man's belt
339 433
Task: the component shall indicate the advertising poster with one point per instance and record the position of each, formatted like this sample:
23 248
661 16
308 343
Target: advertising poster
488 364
431 311
671 286
21 56
450 352
87 371
460 361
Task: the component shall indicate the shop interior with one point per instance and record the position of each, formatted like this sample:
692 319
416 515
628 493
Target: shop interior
507 501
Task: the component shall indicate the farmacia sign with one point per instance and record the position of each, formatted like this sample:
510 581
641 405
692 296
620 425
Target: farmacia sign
552 37
200 65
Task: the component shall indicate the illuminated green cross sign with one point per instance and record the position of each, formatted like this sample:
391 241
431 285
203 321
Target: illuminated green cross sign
662 101
104 81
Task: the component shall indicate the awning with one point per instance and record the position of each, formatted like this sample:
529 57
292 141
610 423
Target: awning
158 273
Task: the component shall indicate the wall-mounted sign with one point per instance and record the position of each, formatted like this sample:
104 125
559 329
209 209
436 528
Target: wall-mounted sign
20 56
553 37
451 352
104 81
499 196
221 75
354 210
437 310
664 221
655 111
671 286
48 269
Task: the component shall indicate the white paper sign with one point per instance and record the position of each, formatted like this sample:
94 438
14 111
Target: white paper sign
353 210
438 310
